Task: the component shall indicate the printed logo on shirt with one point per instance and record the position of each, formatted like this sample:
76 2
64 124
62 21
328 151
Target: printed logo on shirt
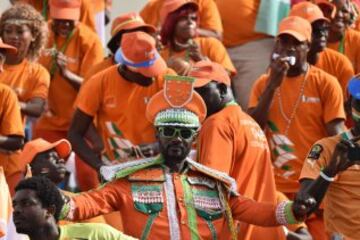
110 102
307 99
315 152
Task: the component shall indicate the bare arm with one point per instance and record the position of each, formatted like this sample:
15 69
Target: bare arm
78 129
279 68
34 108
335 127
74 79
11 142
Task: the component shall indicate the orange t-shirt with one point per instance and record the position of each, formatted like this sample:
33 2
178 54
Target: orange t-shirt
28 79
209 47
10 124
322 102
341 211
86 11
351 47
239 12
119 107
98 5
136 198
104 64
83 51
232 142
208 14
337 65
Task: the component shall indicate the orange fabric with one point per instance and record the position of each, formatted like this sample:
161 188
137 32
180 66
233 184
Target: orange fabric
87 16
168 98
207 71
7 47
28 79
84 51
63 9
297 27
10 124
129 21
208 13
308 11
337 65
321 103
87 177
170 6
340 215
98 219
232 142
104 64
98 5
229 12
118 196
119 107
352 51
316 228
280 197
209 47
6 206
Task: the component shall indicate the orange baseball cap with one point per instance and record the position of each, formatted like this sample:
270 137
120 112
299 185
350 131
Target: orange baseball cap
170 6
138 50
65 9
129 21
297 27
207 71
177 104
308 11
39 145
7 47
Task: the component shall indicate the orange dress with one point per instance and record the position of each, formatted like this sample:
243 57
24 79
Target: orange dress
232 142
154 205
340 213
231 18
321 103
349 46
84 50
208 14
337 65
119 107
209 47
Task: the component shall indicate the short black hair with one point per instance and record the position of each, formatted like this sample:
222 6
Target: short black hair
47 192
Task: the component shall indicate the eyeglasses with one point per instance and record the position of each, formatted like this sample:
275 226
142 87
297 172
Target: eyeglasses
170 132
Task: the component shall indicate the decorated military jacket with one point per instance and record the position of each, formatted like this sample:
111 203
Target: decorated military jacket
154 203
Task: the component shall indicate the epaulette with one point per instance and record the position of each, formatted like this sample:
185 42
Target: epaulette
228 181
122 170
151 174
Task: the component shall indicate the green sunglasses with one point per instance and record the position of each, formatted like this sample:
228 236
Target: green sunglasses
170 132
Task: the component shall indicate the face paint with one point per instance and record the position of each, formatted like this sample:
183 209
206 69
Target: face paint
291 59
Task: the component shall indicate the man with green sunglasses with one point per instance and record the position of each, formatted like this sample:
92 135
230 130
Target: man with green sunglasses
172 196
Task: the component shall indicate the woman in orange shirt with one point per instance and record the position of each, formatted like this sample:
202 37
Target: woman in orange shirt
24 28
179 36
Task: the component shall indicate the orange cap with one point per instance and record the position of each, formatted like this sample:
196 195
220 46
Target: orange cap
207 71
65 9
39 145
7 47
297 27
129 21
308 11
178 93
170 6
138 50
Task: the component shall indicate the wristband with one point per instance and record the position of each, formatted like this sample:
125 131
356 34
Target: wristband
327 178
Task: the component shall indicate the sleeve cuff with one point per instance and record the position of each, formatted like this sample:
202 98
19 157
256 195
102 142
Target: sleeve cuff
284 214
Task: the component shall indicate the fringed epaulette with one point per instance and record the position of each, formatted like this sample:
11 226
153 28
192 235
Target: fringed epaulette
125 169
151 174
228 181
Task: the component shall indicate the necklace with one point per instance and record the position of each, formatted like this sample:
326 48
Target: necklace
289 119
182 45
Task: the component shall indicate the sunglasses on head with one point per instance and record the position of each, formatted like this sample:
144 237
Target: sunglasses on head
170 132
